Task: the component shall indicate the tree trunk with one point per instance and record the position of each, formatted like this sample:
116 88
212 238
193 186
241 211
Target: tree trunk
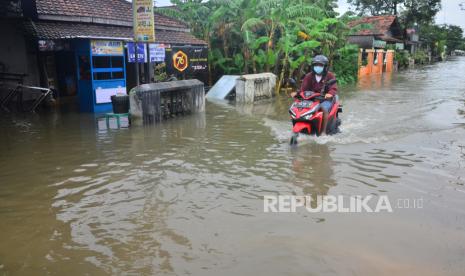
271 36
225 43
281 76
246 58
301 69
254 65
210 77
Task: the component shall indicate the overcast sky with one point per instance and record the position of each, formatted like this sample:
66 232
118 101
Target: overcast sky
450 13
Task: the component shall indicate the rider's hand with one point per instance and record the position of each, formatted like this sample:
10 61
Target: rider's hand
293 94
328 96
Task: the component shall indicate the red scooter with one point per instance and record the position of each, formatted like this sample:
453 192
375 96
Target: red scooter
307 118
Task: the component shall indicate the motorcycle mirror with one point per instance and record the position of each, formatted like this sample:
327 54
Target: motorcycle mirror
331 82
292 83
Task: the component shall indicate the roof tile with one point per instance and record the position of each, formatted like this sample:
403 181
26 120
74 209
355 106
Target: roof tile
68 30
381 24
105 9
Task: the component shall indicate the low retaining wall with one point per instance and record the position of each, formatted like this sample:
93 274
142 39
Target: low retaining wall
151 103
251 88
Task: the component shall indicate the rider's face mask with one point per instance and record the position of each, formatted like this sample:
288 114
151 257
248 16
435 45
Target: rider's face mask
318 69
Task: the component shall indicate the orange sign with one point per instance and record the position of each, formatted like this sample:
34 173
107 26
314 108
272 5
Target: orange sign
180 61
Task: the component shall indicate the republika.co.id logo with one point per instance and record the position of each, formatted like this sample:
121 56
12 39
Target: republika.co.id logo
337 204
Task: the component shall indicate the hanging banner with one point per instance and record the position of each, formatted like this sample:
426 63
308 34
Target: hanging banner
157 52
144 26
106 47
141 52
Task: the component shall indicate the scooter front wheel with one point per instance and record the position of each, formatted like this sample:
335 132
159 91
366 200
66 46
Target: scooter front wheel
293 141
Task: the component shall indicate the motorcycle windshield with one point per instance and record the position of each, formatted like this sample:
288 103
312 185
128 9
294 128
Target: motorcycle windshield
303 104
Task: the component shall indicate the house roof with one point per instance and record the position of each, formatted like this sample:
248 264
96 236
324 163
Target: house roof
45 30
115 10
101 19
380 24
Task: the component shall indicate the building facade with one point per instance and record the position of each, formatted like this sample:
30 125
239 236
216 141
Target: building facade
83 49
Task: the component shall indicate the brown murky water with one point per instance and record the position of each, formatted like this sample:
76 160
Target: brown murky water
185 197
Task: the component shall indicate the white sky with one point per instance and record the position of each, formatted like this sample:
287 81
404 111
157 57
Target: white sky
450 13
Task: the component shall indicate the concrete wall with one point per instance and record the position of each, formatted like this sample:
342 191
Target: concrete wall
14 53
250 88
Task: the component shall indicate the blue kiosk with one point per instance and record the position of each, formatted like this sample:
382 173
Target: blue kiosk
101 73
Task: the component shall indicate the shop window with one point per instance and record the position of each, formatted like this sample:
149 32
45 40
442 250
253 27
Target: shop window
108 67
102 75
118 75
101 62
117 62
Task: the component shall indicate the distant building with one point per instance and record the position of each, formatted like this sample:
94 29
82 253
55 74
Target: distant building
383 30
80 47
412 38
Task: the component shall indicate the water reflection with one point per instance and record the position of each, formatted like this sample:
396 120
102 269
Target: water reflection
185 196
375 82
313 173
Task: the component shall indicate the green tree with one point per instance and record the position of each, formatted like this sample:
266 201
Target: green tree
433 37
278 36
420 11
376 7
454 37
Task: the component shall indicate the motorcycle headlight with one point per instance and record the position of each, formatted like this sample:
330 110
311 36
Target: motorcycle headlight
307 117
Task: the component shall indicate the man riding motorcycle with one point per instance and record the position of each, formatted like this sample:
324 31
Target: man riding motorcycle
316 81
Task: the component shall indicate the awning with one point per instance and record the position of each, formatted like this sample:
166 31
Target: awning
389 39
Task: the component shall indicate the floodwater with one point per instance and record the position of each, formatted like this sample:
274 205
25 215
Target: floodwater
186 197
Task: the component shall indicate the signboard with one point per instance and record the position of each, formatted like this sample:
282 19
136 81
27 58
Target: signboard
180 61
198 59
103 95
157 52
141 52
53 45
400 46
190 59
106 47
144 26
379 43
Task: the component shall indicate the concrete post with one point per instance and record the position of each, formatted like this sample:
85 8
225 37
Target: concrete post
389 60
367 69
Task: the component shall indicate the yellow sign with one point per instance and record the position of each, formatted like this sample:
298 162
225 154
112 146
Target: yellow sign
180 61
106 47
144 26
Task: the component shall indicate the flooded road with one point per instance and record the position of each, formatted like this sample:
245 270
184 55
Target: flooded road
186 197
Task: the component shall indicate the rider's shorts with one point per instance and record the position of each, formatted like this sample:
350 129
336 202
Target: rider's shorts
326 106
